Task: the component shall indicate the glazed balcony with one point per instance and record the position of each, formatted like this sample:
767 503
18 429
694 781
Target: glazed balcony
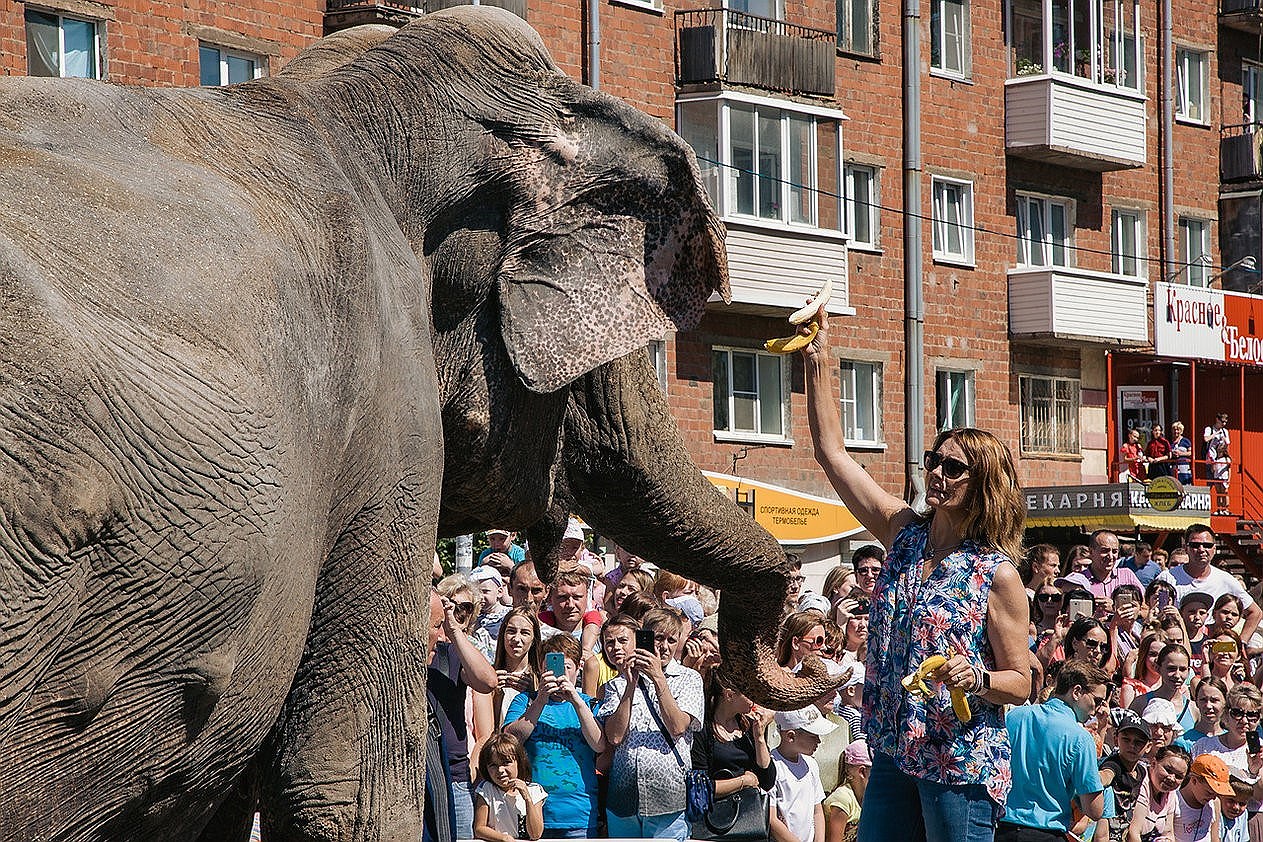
1241 153
729 48
1243 15
342 14
1063 304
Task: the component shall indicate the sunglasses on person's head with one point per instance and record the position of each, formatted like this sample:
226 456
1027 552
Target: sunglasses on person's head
952 468
1238 713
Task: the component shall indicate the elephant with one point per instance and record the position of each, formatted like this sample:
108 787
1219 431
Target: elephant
260 346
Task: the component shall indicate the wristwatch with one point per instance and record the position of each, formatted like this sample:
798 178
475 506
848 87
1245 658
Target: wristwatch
986 682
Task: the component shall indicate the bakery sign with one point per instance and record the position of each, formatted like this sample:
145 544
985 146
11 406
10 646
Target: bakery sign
1208 324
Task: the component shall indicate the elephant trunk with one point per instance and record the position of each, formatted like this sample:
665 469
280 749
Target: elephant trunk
631 476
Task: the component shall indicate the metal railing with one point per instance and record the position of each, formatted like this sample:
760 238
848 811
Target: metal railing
1241 152
1236 7
738 48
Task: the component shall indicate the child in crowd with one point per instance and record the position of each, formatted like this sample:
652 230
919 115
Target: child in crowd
1121 770
799 815
1236 824
618 639
1153 814
562 738
507 806
842 807
1196 815
1194 609
849 698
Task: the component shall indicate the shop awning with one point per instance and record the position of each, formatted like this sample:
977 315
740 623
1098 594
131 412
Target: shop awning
1122 506
792 517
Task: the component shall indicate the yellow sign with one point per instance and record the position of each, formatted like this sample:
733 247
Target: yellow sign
791 516
1164 493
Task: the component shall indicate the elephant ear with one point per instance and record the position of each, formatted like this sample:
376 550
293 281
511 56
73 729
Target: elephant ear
612 243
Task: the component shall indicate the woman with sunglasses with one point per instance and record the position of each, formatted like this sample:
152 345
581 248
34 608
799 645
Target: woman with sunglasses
802 634
1241 716
950 569
457 668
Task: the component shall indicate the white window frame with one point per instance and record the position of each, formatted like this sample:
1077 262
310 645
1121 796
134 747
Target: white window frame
260 63
1063 435
943 378
756 435
1195 257
721 178
870 238
845 15
98 60
1187 88
962 47
657 349
1121 218
1042 253
941 186
853 373
1251 93
778 9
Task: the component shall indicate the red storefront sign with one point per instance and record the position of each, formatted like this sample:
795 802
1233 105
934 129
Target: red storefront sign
1208 324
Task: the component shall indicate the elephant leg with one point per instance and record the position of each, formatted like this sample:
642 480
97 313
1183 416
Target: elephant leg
348 751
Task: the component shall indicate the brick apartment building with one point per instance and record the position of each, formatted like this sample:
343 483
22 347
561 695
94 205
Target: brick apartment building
1051 250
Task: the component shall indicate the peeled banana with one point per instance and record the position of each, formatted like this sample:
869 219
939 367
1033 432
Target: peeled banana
794 342
915 684
818 300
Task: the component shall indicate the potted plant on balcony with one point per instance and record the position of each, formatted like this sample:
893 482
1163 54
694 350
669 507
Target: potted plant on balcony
1028 67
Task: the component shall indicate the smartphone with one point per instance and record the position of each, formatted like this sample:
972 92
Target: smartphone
1252 741
1223 647
1164 599
644 639
1080 608
555 662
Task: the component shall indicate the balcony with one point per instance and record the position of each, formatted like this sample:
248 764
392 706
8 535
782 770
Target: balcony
1243 15
1241 153
1074 122
343 14
725 47
1063 304
774 271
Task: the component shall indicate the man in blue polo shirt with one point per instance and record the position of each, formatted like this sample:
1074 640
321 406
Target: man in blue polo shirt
1054 758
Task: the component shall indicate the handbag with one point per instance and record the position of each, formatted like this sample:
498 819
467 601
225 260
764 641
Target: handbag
743 815
699 789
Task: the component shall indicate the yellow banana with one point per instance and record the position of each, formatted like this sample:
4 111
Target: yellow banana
795 342
915 684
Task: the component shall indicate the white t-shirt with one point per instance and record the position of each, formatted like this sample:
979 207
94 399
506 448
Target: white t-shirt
506 812
1216 583
1192 824
1237 758
798 791
1234 830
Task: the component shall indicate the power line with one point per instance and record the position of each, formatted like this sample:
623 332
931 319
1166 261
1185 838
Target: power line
975 228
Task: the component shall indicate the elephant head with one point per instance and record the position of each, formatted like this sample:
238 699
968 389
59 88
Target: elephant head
561 230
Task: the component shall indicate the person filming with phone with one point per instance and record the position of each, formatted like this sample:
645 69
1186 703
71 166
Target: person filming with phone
651 711
950 568
561 736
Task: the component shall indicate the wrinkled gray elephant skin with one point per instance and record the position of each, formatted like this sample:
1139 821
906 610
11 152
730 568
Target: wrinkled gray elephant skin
258 345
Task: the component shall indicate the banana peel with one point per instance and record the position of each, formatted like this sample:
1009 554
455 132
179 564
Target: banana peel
804 316
917 686
794 342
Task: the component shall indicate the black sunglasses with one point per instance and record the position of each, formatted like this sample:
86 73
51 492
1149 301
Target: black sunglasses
1205 545
952 468
1048 597
1238 713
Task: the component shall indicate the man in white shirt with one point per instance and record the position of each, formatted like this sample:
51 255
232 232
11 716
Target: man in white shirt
1198 574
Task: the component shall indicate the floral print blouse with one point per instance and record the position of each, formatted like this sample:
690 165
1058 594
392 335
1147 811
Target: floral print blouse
910 621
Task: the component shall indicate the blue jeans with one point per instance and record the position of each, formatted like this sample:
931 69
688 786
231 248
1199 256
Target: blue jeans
899 806
668 826
463 805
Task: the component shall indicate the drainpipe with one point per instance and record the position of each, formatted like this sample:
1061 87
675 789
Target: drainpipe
594 44
1166 149
913 293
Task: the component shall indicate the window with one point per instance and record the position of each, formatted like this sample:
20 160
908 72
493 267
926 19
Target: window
949 36
1095 40
1195 256
1043 231
224 67
953 221
779 165
1126 242
1050 414
861 402
1190 85
762 8
658 359
862 220
748 392
856 33
955 399
1251 92
61 46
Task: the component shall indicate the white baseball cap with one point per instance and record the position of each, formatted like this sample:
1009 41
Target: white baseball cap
574 531
808 719
486 573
